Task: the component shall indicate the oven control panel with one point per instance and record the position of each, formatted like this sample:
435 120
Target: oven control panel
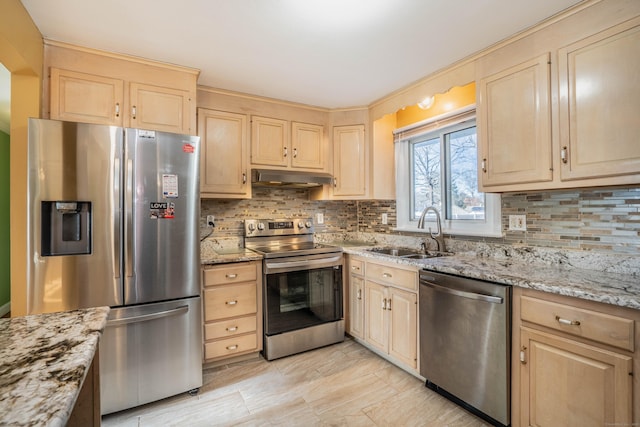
277 227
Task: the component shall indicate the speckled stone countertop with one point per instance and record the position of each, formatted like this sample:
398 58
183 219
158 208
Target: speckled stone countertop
43 362
611 288
223 256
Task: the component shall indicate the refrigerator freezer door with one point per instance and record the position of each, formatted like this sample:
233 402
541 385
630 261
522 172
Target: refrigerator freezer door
74 185
150 352
162 209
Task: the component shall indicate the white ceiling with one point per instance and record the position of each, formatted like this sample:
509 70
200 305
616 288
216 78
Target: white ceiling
327 53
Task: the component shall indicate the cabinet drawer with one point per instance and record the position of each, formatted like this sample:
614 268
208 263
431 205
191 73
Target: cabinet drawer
230 346
393 276
230 273
600 327
221 302
230 327
356 266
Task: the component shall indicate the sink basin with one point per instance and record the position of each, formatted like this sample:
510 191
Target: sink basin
430 254
394 251
408 253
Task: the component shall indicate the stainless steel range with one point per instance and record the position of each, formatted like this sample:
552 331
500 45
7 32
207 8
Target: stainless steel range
302 284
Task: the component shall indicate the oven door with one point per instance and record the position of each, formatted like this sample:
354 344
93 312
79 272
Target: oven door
302 291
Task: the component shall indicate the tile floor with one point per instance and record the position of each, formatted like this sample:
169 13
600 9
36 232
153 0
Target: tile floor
340 385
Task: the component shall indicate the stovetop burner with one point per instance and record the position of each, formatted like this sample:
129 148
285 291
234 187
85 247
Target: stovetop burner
275 238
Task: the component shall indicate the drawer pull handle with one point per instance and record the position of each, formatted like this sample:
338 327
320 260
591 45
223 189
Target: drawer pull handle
232 328
384 304
232 347
389 304
355 268
234 302
359 294
231 276
387 275
567 322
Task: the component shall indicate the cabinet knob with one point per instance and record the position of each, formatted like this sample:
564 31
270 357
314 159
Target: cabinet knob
231 276
234 302
232 347
232 328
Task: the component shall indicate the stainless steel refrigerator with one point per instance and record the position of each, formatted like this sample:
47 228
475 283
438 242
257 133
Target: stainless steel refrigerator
113 221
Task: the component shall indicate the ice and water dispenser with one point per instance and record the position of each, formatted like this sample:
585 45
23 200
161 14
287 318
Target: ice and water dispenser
66 228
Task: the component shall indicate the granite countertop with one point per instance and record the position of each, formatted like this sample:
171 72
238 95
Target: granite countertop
611 288
223 256
44 359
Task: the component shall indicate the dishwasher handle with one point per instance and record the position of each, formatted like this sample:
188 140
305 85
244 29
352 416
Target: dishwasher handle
150 316
471 295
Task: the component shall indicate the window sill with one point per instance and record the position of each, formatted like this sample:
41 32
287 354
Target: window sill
468 232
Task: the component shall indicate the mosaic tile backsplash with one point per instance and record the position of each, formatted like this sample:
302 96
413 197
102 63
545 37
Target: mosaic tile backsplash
602 220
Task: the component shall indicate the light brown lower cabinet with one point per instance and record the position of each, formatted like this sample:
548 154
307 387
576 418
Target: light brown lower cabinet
574 362
232 299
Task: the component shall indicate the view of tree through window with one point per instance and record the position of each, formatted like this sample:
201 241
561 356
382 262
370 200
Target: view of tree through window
450 181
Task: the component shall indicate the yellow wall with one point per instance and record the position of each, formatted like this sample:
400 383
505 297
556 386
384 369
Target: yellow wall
21 51
457 97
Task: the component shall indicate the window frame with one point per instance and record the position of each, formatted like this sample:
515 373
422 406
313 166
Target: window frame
490 226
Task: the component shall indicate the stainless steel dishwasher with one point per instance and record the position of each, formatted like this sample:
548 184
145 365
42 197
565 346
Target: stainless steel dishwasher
465 343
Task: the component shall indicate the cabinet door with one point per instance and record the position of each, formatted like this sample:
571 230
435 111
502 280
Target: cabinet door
307 146
567 383
515 124
599 104
86 98
224 159
349 167
376 327
269 141
356 306
403 328
159 108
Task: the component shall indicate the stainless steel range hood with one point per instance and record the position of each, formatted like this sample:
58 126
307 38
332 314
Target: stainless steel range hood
288 178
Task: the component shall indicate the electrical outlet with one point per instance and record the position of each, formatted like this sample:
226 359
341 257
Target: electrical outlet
518 222
210 220
319 218
385 219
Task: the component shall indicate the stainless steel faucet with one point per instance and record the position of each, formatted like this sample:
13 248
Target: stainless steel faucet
437 236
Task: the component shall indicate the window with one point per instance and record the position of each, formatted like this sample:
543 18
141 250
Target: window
438 166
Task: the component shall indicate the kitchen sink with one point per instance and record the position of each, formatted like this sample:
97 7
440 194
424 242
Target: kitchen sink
408 253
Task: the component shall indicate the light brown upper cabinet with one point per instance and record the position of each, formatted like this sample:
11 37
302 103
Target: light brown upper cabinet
283 144
90 86
515 124
82 97
600 104
349 154
558 107
224 160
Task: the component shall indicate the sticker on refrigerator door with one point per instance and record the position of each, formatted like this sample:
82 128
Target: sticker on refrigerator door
169 186
161 210
188 148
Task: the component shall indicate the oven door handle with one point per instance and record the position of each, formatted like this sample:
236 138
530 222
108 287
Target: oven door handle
306 264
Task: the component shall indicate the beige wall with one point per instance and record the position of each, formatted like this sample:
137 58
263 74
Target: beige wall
21 50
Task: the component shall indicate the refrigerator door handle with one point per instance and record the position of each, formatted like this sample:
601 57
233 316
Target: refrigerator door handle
151 316
116 219
128 237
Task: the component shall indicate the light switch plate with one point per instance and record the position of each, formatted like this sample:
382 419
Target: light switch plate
518 222
319 218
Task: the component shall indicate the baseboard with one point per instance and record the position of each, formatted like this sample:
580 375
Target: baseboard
5 309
